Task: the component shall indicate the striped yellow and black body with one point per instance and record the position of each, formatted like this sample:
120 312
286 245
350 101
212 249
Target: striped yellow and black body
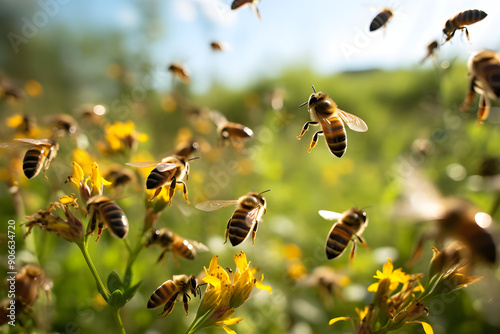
104 213
324 111
168 292
39 155
170 172
381 19
171 241
229 132
350 226
460 20
245 218
484 79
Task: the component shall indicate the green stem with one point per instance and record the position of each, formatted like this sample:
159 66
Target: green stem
118 320
100 286
197 324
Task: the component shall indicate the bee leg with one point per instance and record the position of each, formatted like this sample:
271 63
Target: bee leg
100 227
254 232
469 97
92 224
162 255
417 253
314 140
176 260
227 230
157 192
484 109
362 242
353 250
305 128
256 10
169 306
171 191
184 191
466 33
185 300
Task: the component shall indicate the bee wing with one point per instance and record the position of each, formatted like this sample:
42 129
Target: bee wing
164 166
142 164
329 215
215 204
353 122
217 118
198 245
35 141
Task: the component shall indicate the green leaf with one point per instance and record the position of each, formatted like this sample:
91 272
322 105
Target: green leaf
130 292
117 300
114 282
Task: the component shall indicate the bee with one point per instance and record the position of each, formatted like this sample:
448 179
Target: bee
484 76
171 171
245 219
460 20
431 50
119 176
104 213
180 71
381 19
171 241
349 226
233 133
63 125
238 3
38 156
325 112
168 292
29 281
218 46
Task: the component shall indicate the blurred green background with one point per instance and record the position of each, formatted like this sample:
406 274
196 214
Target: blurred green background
403 108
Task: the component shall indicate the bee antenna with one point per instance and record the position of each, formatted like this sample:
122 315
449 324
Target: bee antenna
314 89
366 207
303 104
193 158
265 191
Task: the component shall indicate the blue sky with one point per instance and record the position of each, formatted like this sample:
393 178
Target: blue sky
328 35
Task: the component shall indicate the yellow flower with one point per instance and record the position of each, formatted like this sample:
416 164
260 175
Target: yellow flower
98 182
395 276
120 136
225 292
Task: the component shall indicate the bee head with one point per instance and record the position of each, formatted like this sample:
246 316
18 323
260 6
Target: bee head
447 28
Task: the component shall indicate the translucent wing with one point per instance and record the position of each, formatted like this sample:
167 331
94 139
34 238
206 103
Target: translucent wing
198 245
329 215
164 166
251 220
217 118
215 204
353 122
142 164
35 141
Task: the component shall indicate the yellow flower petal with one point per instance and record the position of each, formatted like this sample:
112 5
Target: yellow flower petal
14 121
241 261
77 176
426 326
232 321
228 330
334 320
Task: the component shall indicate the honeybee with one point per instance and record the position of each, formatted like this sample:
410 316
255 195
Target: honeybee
325 112
233 133
29 281
180 71
484 75
171 171
245 219
460 20
381 19
119 176
218 46
104 213
238 3
171 241
349 226
42 153
169 291
431 50
63 125
455 219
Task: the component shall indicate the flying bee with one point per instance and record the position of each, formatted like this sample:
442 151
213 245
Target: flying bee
63 125
460 21
218 46
431 50
104 213
251 3
171 241
168 292
349 226
180 71
245 219
171 171
324 111
381 19
233 133
29 281
43 151
484 76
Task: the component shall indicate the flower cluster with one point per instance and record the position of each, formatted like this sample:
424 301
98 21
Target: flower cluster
399 298
225 292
